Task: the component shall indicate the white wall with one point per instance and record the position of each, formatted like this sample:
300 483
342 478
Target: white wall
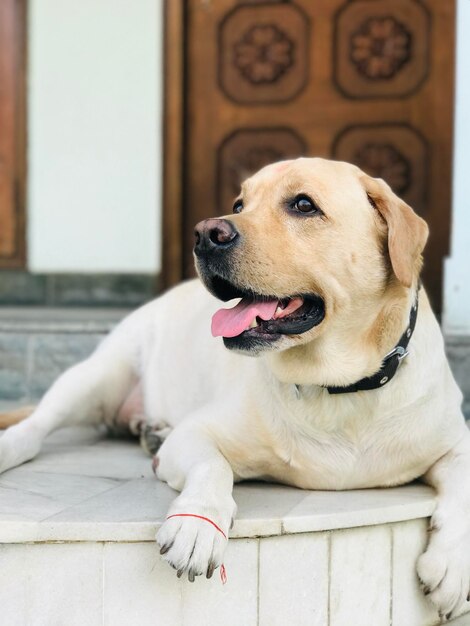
457 274
94 108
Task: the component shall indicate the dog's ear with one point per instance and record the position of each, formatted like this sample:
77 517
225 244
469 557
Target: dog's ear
407 232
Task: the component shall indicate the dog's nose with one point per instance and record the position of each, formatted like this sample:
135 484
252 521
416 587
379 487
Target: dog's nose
214 234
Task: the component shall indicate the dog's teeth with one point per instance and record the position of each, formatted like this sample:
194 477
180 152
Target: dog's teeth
253 324
278 310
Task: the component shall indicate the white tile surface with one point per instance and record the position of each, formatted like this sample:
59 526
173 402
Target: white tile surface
16 505
86 488
130 511
139 587
324 510
74 435
123 460
261 508
410 608
360 574
209 603
141 500
293 585
51 585
25 494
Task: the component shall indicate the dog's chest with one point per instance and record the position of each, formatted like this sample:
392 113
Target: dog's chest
338 448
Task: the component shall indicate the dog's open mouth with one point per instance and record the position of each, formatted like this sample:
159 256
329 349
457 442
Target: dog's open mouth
259 316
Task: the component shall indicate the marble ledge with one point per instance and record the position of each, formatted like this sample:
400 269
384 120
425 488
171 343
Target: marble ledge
85 488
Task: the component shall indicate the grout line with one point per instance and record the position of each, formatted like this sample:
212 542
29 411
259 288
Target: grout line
257 582
328 616
182 611
103 574
391 573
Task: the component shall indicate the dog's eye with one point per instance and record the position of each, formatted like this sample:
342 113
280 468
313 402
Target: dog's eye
238 206
304 204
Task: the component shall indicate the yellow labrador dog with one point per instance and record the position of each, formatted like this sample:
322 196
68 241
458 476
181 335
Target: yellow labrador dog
347 385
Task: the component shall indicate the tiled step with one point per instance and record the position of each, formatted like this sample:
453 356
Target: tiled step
77 528
37 344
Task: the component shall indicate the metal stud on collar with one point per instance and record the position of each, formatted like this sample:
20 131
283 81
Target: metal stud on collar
383 380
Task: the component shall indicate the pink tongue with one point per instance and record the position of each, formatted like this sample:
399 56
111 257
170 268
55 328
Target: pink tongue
232 322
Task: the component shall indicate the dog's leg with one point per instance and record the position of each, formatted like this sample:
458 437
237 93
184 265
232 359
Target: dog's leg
189 461
86 393
444 569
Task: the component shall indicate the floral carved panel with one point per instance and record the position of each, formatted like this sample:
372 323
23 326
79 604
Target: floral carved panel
384 160
246 151
395 152
263 53
381 48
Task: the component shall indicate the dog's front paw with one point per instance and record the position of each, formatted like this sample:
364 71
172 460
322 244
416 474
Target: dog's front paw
444 572
17 448
193 537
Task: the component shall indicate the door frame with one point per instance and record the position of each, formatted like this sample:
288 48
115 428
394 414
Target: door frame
174 24
19 55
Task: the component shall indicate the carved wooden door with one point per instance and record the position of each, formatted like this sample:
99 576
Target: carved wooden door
12 132
367 81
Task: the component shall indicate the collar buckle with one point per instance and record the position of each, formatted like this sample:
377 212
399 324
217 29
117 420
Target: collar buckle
398 351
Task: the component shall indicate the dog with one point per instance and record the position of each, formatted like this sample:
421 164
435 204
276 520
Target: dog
347 386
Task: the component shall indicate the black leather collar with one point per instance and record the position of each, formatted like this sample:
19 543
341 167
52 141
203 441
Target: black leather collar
390 363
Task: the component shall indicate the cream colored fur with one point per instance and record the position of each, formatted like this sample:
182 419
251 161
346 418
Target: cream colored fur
233 417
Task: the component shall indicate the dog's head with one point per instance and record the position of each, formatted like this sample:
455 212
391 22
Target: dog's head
311 244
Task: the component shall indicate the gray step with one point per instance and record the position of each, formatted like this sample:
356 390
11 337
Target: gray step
37 344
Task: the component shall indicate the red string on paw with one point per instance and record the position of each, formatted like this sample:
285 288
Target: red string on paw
223 573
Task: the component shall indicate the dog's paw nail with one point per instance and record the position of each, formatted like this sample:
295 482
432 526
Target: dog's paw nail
445 617
164 549
434 526
179 573
232 522
426 590
468 597
191 576
210 570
